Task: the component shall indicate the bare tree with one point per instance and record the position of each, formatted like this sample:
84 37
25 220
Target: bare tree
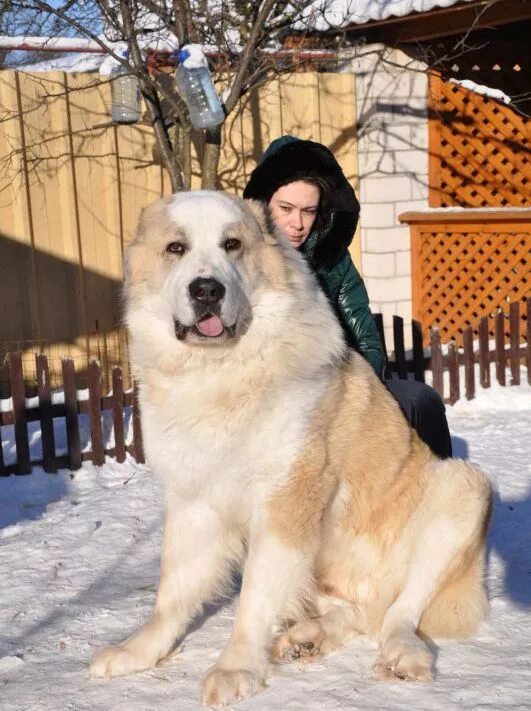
241 37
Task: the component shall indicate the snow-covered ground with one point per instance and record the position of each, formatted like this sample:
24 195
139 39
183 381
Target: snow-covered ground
79 556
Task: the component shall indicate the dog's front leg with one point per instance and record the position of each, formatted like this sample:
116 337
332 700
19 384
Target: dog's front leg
275 577
196 558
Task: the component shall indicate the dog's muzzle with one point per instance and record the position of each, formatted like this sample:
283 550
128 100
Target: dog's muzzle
206 295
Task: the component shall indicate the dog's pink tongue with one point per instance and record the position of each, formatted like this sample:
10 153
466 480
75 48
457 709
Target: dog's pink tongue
211 326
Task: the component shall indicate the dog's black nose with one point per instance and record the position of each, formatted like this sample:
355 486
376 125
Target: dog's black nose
207 291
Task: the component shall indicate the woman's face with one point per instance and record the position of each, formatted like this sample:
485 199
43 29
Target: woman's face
294 209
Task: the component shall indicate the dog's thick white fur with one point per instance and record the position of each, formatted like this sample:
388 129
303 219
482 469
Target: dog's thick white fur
284 455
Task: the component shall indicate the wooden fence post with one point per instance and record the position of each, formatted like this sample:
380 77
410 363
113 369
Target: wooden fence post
16 378
500 347
437 362
468 352
118 413
453 370
514 352
400 352
96 433
138 443
72 421
484 358
418 350
46 419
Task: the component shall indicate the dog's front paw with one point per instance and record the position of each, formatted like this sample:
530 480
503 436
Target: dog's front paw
222 687
405 658
117 661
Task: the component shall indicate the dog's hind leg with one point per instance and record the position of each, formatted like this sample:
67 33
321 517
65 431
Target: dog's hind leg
196 562
449 525
340 621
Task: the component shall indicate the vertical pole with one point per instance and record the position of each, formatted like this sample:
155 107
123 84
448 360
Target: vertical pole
45 406
16 378
468 348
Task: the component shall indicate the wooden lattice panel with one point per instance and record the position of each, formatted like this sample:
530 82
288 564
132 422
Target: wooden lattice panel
464 271
480 150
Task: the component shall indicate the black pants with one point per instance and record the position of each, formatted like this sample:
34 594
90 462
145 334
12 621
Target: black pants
425 411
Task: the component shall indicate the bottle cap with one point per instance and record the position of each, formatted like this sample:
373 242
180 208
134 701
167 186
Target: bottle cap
182 55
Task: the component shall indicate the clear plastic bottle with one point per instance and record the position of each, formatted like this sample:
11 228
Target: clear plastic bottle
125 93
197 89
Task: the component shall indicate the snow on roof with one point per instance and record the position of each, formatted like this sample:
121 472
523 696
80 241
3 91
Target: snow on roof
482 89
324 14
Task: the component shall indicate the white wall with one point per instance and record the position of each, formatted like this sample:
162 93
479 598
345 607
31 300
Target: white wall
392 130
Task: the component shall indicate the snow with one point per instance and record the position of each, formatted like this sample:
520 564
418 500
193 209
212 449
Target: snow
324 14
79 558
484 90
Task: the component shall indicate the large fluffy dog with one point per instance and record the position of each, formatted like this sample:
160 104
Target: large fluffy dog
285 455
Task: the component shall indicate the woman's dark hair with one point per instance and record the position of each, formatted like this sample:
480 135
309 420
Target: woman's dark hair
289 159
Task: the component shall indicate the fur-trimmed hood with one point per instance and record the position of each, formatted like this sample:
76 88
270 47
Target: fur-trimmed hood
288 159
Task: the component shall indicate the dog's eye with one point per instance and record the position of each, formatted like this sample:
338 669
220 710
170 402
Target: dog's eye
231 244
176 248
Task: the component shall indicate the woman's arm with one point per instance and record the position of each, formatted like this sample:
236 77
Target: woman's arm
355 315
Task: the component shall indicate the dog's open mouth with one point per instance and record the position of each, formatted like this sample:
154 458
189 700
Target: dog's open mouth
208 327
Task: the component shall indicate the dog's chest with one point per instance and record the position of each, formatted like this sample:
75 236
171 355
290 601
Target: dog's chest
239 444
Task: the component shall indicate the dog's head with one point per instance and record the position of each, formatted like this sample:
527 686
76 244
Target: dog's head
198 262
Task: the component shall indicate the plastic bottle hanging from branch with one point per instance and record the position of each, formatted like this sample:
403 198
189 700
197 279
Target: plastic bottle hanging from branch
125 93
195 85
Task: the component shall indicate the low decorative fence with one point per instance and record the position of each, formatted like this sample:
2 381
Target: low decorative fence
44 410
478 351
509 348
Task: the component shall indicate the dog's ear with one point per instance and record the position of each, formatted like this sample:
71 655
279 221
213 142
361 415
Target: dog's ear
262 215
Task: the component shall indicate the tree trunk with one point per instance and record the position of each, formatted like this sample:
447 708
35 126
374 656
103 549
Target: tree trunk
211 158
183 147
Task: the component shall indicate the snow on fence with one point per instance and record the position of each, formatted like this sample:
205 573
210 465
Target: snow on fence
70 403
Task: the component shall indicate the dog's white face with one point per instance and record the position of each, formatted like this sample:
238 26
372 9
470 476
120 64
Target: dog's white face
205 282
197 255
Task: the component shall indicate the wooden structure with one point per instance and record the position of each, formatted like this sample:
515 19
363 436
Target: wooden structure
480 149
120 405
467 264
118 413
72 186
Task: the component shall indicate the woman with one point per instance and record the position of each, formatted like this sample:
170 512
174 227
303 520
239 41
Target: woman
312 202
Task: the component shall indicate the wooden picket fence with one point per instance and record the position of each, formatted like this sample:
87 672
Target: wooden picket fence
96 404
476 352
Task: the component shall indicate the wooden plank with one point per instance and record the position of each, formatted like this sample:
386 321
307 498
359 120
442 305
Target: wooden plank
72 421
137 430
500 347
468 347
400 352
118 413
16 379
434 140
453 369
437 362
418 350
46 419
484 360
96 431
514 353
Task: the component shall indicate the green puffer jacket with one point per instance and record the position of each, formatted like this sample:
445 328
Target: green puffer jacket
288 159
